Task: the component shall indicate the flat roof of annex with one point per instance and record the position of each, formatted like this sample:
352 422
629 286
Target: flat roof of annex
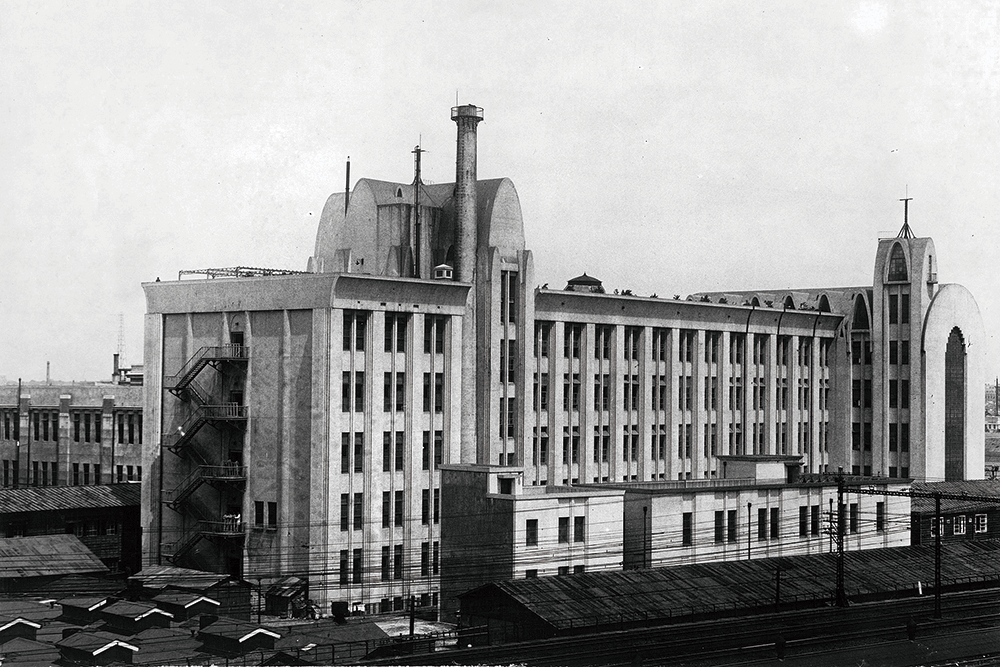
591 307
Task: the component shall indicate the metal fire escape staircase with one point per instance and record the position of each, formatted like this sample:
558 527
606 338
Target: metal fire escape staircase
182 443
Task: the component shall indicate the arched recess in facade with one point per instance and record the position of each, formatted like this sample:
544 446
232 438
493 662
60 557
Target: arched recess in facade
955 389
952 358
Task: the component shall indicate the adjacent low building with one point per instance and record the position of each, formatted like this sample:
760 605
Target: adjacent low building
77 434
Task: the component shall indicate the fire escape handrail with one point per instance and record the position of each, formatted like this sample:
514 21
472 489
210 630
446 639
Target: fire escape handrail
200 359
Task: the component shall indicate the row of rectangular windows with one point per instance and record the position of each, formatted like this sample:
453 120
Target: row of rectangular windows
658 441
45 473
352 509
86 426
352 394
352 459
632 391
726 525
355 331
573 335
958 524
563 531
352 563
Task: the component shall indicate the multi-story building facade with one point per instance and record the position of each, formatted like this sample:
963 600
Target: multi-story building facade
70 434
298 421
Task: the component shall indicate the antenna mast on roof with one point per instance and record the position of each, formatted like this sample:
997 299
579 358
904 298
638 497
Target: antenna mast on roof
417 150
906 232
121 340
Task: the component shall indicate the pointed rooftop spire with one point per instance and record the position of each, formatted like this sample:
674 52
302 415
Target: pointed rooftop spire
905 232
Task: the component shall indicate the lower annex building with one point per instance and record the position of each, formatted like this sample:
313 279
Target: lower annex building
299 421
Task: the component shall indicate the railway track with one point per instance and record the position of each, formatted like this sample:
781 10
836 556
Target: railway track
743 639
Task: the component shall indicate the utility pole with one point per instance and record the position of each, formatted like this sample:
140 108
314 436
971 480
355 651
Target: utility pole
841 593
937 555
749 527
413 612
17 439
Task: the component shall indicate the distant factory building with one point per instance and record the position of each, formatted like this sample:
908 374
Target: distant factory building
303 423
77 434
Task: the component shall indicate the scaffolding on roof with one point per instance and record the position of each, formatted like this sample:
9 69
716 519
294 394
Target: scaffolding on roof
237 272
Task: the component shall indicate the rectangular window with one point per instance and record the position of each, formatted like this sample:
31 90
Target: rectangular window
76 427
425 506
803 521
563 529
397 561
904 352
345 511
578 529
893 309
438 392
359 391
854 517
687 529
775 523
345 452
814 520
86 473
980 523
398 509
395 332
893 352
359 452
732 526
904 308
386 509
425 451
359 511
761 524
959 525
358 566
435 560
386 451
531 532
385 563
720 526
400 449
425 558
880 516
542 331
437 505
344 573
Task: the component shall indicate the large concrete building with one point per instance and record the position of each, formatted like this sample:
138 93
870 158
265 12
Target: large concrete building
298 422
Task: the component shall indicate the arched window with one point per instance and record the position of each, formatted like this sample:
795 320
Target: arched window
824 304
861 319
897 264
399 192
789 303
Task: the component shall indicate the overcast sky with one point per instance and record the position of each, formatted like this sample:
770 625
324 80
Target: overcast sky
660 146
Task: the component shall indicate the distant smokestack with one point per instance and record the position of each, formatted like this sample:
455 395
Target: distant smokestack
467 117
48 377
347 186
114 373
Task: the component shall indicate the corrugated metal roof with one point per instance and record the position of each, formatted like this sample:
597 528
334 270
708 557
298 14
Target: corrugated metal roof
161 576
972 487
45 556
48 498
602 598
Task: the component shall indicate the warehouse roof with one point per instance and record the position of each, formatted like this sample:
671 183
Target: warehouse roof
634 596
46 555
973 487
47 498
